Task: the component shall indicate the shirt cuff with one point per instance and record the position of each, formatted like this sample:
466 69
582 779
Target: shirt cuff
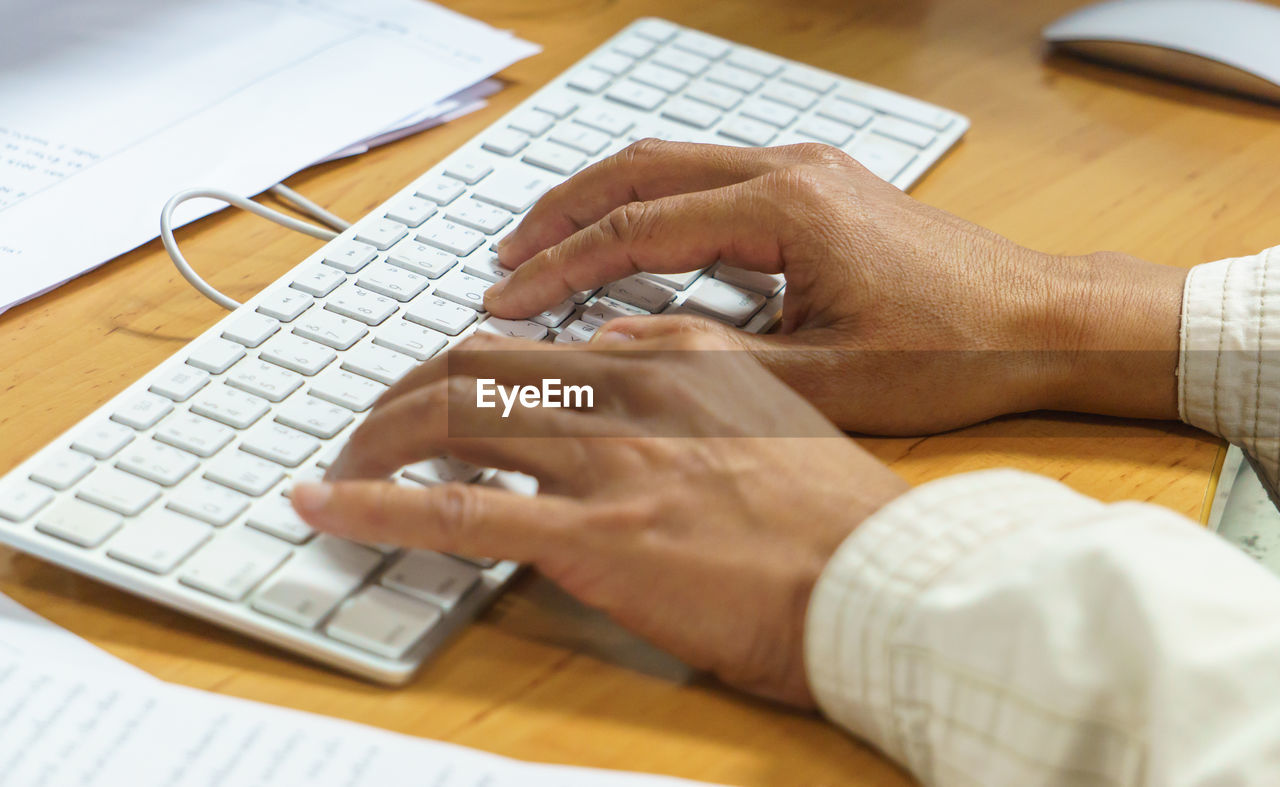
868 589
1228 365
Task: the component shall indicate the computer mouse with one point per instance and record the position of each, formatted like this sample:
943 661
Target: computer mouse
1227 45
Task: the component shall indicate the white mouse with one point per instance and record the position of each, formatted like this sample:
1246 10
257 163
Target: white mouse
1230 45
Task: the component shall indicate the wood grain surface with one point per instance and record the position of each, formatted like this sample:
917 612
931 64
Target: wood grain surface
1062 156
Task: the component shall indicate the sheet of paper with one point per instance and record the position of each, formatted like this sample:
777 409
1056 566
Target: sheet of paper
27 637
61 728
107 109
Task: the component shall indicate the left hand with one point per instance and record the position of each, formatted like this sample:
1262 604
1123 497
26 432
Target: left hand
696 503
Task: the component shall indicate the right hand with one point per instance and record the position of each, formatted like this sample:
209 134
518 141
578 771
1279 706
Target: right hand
899 318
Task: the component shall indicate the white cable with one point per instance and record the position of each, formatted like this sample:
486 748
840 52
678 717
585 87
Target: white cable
308 207
284 220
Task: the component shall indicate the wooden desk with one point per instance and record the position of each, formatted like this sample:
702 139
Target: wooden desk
1062 156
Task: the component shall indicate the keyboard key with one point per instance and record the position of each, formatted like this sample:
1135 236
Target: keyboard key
379 233
101 441
298 354
62 469
269 381
415 341
610 123
250 328
633 46
676 281
328 454
885 158
377 363
120 492
766 284
557 158
664 79
724 301
734 77
313 416
279 443
577 331
194 434
158 541
560 106
329 329
556 314
19 499
417 257
513 191
904 131
276 517
351 391
306 475
431 576
451 237
612 62
808 78
606 309
350 256
478 216
828 131
179 383
581 138
468 170
791 95
504 142
78 522
516 329
364 306
443 470
382 621
315 580
702 44
694 113
762 64
715 95
684 62
208 502
487 267
895 104
634 94
146 409
244 473
155 462
441 191
644 293
412 212
229 406
583 296
444 316
752 132
658 30
534 122
845 112
588 80
318 280
232 564
460 288
769 112
215 356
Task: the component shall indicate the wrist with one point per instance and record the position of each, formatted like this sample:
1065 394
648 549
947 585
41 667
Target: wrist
1109 336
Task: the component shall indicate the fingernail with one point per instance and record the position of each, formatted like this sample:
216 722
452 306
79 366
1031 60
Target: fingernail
611 337
495 289
312 498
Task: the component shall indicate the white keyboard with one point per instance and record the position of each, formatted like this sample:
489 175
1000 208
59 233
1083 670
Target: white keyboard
177 488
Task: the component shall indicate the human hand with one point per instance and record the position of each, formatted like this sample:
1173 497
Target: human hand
899 318
696 502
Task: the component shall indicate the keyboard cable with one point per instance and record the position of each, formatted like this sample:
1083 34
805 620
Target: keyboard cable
335 224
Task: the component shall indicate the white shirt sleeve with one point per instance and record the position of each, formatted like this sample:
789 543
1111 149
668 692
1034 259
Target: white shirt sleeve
999 629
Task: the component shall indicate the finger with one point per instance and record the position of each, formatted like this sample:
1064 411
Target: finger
668 235
444 417
647 170
467 519
637 331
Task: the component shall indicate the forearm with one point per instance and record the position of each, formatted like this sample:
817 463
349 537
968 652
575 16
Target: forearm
997 628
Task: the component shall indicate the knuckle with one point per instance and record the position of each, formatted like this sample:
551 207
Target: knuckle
456 510
645 150
625 222
823 155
